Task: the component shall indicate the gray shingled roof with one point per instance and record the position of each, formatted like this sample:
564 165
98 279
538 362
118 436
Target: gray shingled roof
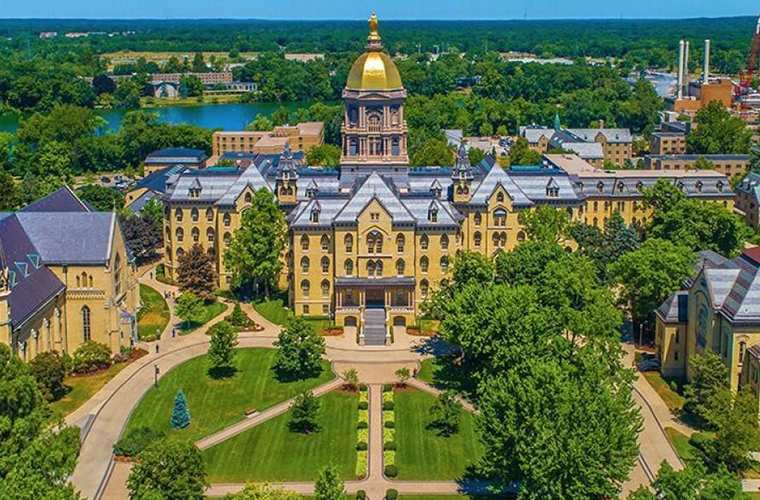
328 210
70 237
61 200
611 134
534 187
675 308
497 176
419 208
250 177
374 187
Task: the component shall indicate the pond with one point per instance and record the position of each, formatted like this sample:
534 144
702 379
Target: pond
228 116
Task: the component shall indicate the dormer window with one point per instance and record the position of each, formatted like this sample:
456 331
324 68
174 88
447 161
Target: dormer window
698 185
620 187
436 189
552 189
681 186
314 216
500 197
719 185
600 187
639 186
433 213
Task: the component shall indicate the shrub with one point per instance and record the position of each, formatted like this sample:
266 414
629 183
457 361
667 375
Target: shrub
362 425
351 376
390 424
361 446
388 405
135 441
48 369
699 439
389 446
91 356
361 495
363 387
387 387
363 405
304 411
238 318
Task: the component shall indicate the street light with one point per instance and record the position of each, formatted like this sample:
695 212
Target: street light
156 371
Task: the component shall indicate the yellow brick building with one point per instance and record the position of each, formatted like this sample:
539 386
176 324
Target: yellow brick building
368 242
66 278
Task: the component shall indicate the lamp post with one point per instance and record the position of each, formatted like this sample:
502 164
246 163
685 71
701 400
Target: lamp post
156 371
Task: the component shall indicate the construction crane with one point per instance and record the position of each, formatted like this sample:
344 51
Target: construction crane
754 51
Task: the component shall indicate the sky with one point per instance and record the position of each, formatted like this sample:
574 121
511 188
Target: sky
386 9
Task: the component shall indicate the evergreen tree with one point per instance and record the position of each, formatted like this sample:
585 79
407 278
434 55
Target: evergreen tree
180 412
329 485
300 350
221 351
304 412
253 255
196 273
446 413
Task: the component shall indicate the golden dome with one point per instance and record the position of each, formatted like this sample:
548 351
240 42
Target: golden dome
374 70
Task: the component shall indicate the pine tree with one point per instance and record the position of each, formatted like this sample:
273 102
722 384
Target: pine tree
180 412
196 273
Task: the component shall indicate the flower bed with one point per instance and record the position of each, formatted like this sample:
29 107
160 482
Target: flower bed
389 433
362 435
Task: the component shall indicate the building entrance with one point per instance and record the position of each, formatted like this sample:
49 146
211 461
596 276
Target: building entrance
375 298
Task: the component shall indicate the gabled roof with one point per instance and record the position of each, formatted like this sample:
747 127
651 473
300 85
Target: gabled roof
610 134
176 155
250 177
156 181
374 187
61 200
675 308
498 177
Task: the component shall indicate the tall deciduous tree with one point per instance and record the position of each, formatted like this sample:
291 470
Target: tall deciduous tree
446 413
142 236
718 132
168 469
605 247
304 412
253 255
734 416
300 350
189 308
329 485
196 273
221 350
692 482
708 375
545 223
662 196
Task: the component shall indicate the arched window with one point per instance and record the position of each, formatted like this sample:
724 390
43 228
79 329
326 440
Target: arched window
424 264
444 242
180 253
424 242
210 234
116 275
194 214
325 286
227 238
84 279
304 264
478 218
374 242
424 288
178 215
500 217
196 234
324 243
305 288
349 267
502 239
444 264
370 268
520 236
500 197
379 268
227 219
209 215
179 235
325 264
400 241
86 332
304 242
400 267
247 198
477 237
349 242
596 222
79 281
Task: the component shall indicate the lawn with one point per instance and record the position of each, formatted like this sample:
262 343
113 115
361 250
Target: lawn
421 454
275 311
154 315
672 399
680 442
271 452
210 311
83 388
218 403
441 372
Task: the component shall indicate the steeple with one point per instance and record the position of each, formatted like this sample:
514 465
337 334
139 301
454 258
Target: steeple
287 177
461 175
557 126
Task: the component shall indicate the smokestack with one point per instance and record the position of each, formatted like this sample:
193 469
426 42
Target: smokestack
706 70
686 69
681 46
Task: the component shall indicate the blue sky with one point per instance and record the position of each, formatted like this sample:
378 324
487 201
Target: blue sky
386 9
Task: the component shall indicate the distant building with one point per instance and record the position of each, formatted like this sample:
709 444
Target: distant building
205 78
169 157
300 137
595 145
304 57
729 165
701 94
667 143
48 34
495 145
748 198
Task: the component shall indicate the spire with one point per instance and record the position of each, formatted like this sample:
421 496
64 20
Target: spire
462 167
286 167
373 40
557 126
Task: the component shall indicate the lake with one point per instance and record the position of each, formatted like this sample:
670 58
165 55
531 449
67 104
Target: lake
229 116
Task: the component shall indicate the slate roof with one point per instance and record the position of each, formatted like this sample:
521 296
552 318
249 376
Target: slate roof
374 187
176 155
156 181
675 308
137 205
750 185
534 184
611 134
61 200
497 176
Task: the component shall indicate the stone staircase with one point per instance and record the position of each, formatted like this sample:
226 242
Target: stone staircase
374 326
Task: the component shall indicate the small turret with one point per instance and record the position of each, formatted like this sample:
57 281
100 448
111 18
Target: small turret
461 175
287 177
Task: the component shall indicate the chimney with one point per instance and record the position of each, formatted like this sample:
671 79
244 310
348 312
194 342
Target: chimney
706 69
682 46
686 69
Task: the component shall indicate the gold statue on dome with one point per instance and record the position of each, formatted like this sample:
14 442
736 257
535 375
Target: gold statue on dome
374 36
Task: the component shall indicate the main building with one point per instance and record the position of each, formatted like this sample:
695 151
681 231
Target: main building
369 241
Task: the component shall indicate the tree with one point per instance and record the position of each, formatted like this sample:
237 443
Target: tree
189 308
199 65
169 468
102 199
703 163
351 376
718 132
561 430
446 413
662 196
734 418
324 155
153 211
180 412
103 84
521 154
545 224
403 375
10 198
708 375
253 256
196 273
299 351
49 370
469 267
329 485
605 247
143 236
692 482
526 262
260 123
649 274
253 491
304 412
221 350
36 459
191 86
433 151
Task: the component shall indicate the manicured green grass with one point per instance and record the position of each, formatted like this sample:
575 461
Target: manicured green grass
83 388
274 310
217 403
421 454
442 373
271 452
428 368
681 444
154 315
210 311
672 399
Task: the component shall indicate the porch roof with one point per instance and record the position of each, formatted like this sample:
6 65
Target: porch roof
375 282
